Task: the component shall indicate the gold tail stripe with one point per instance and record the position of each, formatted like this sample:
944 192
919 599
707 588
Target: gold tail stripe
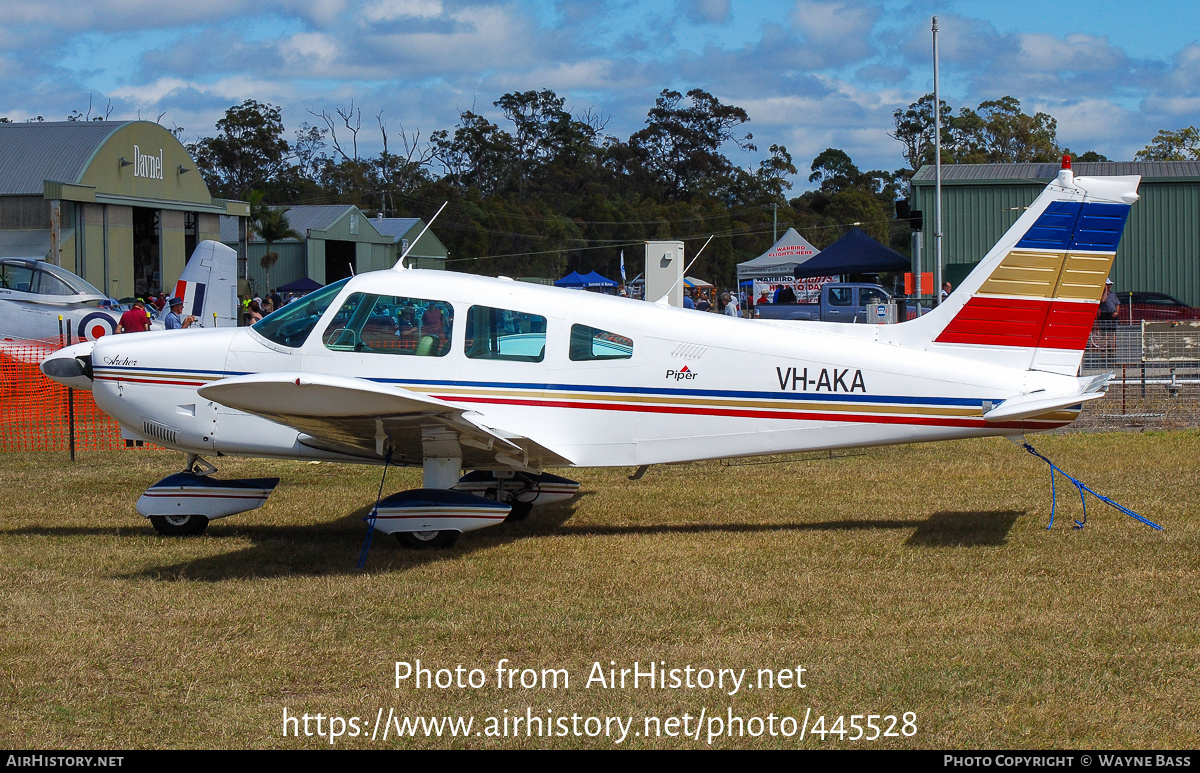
1050 275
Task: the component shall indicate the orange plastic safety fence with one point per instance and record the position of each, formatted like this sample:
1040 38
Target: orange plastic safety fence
34 410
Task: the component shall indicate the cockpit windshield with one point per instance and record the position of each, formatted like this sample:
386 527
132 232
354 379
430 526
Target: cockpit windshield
291 325
41 278
67 283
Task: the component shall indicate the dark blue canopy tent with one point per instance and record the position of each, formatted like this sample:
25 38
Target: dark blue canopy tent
304 285
854 253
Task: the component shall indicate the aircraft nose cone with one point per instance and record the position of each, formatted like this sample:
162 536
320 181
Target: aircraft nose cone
71 367
62 368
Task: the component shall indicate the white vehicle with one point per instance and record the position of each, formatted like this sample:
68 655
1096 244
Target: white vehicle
451 371
34 294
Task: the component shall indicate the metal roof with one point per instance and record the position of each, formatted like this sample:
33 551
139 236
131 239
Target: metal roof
316 217
394 227
1039 172
58 150
301 218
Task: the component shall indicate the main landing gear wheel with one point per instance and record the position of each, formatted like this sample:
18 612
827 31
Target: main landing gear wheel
179 525
520 511
425 540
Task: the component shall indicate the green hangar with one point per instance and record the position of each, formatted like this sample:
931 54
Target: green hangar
1160 249
120 203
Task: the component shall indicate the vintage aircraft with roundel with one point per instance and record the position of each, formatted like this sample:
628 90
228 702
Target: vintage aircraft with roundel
453 372
35 295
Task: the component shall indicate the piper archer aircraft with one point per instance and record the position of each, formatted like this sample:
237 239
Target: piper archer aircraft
451 371
35 293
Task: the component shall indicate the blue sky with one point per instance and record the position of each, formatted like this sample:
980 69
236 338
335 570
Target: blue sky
811 73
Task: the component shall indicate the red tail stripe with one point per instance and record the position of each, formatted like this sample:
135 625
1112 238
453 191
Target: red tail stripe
1021 322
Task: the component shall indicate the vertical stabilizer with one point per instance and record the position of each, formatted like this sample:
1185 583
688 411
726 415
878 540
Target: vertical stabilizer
208 285
1032 300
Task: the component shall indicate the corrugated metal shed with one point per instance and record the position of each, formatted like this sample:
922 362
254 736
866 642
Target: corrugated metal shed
1044 173
1160 249
395 227
59 150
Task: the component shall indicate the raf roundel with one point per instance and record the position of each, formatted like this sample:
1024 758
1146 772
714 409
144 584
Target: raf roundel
96 325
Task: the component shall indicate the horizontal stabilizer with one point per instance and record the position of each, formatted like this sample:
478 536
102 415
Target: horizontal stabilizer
1038 403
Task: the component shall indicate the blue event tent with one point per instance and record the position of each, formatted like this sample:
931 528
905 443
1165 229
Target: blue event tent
854 253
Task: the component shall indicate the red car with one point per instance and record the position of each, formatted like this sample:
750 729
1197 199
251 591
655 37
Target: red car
1153 307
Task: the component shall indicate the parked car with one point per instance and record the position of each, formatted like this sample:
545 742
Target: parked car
1153 307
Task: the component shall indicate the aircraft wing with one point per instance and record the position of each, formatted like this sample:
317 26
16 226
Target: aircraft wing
363 418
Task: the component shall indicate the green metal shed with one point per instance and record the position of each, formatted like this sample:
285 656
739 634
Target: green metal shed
1160 250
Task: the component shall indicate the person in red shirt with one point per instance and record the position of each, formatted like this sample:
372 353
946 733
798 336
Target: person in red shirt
136 320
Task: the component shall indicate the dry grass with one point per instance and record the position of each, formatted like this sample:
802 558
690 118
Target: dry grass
918 578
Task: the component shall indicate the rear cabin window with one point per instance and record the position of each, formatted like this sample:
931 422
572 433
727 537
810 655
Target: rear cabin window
391 324
501 334
592 343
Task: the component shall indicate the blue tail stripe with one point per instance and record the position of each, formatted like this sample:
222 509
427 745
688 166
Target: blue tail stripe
1067 225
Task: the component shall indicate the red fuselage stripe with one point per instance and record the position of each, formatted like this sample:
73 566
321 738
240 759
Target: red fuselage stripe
755 414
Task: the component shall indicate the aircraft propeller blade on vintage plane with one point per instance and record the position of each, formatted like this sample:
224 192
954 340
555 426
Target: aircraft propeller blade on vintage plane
451 371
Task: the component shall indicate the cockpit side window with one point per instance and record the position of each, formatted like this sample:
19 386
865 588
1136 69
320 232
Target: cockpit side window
501 334
592 343
291 325
390 324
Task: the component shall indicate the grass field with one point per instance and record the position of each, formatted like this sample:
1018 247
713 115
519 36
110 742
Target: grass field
912 579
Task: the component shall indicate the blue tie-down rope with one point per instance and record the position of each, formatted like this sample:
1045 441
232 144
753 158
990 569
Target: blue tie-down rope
371 516
1082 488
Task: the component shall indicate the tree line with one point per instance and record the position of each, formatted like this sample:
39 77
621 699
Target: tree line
544 191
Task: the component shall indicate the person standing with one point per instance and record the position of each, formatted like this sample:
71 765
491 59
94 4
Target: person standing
136 320
1109 309
173 319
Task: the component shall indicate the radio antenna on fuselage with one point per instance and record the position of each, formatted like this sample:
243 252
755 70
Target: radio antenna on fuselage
663 300
400 263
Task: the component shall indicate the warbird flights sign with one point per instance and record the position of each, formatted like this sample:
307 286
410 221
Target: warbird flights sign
451 371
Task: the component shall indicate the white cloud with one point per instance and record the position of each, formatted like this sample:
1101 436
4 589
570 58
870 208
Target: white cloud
836 32
564 76
118 15
391 10
705 11
1182 108
480 39
312 53
1076 52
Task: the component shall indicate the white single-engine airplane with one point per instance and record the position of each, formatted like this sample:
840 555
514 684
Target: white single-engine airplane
450 371
35 294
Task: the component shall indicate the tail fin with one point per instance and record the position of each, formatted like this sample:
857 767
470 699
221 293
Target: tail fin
1032 300
208 285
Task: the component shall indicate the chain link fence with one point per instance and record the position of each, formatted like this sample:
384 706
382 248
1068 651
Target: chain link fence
1156 376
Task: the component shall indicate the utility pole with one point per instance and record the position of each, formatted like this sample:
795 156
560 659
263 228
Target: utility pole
937 170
